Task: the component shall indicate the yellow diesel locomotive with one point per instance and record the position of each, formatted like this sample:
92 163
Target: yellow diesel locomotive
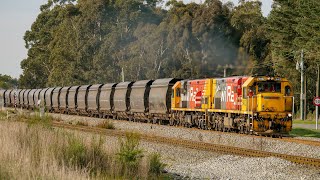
255 104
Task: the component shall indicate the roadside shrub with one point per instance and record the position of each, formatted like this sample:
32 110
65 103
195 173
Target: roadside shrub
129 153
106 125
36 119
75 153
156 166
4 174
80 123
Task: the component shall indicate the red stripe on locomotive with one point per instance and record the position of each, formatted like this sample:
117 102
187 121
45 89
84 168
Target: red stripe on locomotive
228 93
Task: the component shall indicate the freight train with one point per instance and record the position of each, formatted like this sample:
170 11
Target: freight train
243 104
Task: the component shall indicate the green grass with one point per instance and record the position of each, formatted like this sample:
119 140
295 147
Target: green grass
304 122
80 123
156 166
301 132
106 125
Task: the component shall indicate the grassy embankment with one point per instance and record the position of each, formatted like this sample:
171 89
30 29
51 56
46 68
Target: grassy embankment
304 122
301 132
35 150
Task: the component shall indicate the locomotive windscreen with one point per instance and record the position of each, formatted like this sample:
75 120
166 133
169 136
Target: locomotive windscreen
269 86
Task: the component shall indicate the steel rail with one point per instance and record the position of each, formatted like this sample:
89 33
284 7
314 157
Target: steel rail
195 144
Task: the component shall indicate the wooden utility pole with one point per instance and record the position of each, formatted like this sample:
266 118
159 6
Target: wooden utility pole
122 74
302 94
317 94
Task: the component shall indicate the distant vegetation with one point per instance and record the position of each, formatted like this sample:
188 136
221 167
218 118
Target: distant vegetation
81 42
7 82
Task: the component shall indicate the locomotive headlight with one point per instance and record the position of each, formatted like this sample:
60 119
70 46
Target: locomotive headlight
289 115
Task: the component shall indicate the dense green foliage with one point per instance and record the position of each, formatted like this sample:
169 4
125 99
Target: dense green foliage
86 42
7 82
294 26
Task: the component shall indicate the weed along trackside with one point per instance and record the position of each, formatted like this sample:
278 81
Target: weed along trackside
37 150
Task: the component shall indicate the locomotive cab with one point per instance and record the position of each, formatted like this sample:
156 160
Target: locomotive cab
269 101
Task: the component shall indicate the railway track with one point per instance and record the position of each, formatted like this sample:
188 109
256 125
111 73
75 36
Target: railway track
195 144
283 138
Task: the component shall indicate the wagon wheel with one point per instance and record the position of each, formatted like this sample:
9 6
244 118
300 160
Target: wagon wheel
154 121
171 122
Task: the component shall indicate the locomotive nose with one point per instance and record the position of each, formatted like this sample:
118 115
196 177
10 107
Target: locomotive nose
273 102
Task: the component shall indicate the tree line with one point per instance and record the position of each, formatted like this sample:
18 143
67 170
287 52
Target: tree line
86 42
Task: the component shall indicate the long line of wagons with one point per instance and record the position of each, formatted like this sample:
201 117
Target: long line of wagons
245 104
123 100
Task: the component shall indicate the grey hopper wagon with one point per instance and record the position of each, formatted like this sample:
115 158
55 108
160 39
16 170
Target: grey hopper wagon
43 97
55 99
93 99
13 97
82 99
24 103
2 91
7 98
36 98
139 99
72 99
26 98
31 103
48 99
19 99
160 99
63 101
106 104
121 99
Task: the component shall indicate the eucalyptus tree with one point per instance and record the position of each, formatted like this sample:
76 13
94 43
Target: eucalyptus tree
294 26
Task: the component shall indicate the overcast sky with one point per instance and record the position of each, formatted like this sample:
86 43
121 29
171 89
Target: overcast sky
16 17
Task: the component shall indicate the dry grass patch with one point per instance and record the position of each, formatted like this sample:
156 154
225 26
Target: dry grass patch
35 151
81 123
106 125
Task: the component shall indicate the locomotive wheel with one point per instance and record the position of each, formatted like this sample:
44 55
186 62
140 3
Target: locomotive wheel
201 124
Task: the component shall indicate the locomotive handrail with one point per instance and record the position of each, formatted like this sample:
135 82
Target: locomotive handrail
292 104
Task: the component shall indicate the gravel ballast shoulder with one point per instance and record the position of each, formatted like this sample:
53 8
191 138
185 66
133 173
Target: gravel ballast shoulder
186 163
229 139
